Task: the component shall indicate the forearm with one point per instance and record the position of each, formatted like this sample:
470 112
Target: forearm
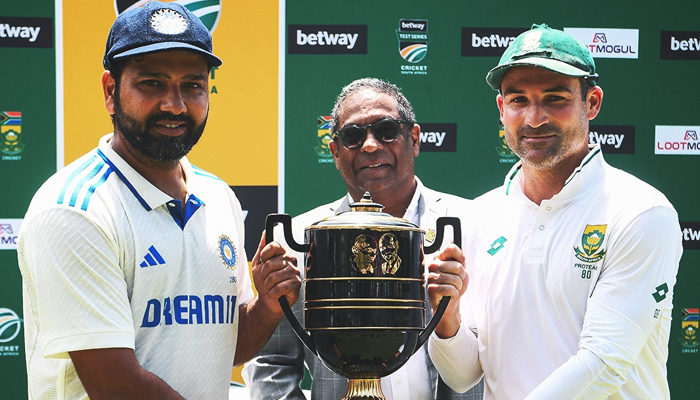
255 326
583 376
115 374
457 359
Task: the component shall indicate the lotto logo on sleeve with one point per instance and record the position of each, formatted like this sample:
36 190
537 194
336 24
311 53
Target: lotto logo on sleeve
677 140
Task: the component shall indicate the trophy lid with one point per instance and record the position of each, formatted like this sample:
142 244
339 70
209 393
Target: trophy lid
365 214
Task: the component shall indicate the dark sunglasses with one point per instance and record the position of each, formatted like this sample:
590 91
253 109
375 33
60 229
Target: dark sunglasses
386 130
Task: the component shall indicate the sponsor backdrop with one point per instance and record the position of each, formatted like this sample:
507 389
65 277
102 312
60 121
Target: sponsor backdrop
285 63
439 53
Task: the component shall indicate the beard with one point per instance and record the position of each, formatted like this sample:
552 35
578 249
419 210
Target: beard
153 145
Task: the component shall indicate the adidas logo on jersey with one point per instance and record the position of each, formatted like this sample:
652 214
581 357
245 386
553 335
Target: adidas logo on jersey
152 258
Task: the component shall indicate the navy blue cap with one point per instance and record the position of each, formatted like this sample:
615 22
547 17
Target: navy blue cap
156 27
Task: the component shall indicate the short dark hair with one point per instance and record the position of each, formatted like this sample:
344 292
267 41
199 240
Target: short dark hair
402 104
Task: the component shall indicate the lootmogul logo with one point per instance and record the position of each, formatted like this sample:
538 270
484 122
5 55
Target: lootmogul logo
608 42
413 39
677 140
208 11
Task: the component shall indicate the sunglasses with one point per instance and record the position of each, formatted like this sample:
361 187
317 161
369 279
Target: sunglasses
386 130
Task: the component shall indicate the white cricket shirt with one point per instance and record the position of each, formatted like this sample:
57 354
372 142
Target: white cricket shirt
108 261
581 284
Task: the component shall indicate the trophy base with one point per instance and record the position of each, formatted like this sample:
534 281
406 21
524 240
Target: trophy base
364 389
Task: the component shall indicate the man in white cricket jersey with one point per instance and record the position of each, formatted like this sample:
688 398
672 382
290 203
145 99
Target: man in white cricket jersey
136 281
572 265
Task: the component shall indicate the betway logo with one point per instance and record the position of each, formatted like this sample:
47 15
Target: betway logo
491 41
412 25
612 139
327 39
440 137
692 44
680 45
691 235
26 32
323 38
482 42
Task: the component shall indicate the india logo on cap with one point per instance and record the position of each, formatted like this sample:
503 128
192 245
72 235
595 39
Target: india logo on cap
168 22
208 11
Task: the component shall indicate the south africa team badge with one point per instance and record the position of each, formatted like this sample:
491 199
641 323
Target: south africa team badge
228 252
591 250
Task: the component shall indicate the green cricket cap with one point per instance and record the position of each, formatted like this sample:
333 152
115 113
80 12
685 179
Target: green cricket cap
546 48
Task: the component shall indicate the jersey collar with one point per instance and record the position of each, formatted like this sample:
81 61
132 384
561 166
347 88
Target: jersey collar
586 176
148 195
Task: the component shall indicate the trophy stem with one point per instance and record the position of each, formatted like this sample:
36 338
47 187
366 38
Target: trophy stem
364 389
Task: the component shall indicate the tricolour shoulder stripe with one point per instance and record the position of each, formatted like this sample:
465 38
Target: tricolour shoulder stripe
83 182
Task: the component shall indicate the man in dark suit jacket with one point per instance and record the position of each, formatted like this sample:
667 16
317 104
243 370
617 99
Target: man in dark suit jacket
376 139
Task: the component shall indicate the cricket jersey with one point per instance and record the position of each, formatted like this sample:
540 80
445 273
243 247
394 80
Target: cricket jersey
110 261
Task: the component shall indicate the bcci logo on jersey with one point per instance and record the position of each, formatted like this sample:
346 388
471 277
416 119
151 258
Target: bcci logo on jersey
323 149
591 243
689 323
208 11
228 252
11 131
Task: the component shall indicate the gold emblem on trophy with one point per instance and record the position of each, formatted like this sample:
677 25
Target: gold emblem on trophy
389 249
364 251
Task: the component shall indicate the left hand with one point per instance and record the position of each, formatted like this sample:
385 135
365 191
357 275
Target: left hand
448 277
275 274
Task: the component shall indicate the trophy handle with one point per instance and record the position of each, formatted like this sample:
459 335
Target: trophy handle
442 306
286 221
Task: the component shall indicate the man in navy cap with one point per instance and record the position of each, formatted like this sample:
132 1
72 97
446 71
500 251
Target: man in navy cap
136 280
572 262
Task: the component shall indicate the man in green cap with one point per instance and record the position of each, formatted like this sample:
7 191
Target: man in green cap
572 262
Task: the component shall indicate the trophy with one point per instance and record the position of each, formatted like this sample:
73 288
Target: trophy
364 306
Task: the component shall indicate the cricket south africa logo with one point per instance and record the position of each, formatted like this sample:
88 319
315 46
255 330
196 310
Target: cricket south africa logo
689 323
323 149
11 132
413 45
591 250
506 155
208 11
